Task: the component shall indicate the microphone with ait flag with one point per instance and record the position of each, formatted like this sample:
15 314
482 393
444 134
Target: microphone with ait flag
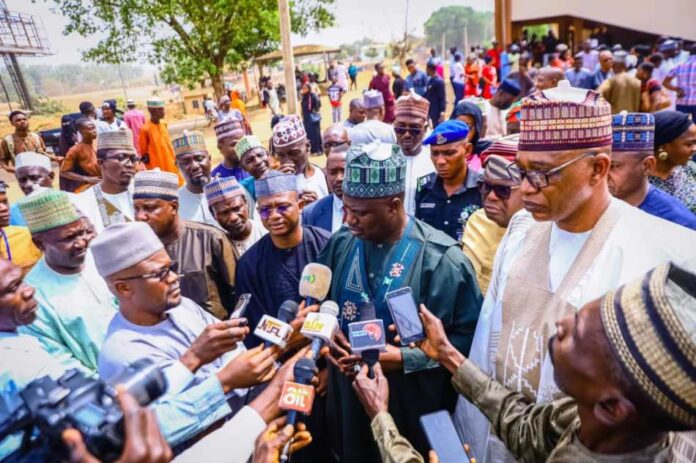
321 326
276 331
367 337
297 396
315 283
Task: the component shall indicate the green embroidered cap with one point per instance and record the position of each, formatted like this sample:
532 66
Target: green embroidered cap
374 170
47 210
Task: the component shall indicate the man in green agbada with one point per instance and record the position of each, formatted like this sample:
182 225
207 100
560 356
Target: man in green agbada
382 249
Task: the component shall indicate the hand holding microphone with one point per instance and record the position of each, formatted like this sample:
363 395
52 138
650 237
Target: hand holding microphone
277 331
367 337
321 327
298 396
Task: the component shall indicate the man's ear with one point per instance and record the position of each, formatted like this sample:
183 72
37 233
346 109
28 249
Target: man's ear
614 409
122 289
52 175
175 205
648 165
600 167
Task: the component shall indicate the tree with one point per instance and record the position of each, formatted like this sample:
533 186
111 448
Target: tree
451 20
189 39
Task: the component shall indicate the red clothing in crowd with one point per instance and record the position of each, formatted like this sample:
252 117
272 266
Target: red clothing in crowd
472 79
381 83
489 75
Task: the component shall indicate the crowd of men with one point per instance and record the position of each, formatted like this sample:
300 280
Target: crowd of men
548 236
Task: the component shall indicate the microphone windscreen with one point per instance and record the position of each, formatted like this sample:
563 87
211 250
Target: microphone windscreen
329 308
288 311
315 281
367 311
304 370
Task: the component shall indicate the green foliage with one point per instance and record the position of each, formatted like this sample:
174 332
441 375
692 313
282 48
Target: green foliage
371 52
450 20
353 49
189 39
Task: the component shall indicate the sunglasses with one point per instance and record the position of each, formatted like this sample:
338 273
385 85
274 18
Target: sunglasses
501 191
414 131
266 212
334 144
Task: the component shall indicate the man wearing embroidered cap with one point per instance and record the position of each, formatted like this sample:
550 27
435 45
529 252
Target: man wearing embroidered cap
447 197
291 146
193 160
582 243
228 204
203 254
632 160
155 142
410 125
228 134
373 128
626 363
15 241
501 197
254 159
382 249
508 91
33 172
271 269
111 200
75 305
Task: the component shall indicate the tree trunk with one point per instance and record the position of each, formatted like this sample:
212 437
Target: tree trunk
218 85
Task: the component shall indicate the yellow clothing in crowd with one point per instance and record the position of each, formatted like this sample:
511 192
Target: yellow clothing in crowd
480 242
17 246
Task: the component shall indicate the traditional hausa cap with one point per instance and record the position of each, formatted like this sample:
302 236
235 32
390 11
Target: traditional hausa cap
374 170
123 245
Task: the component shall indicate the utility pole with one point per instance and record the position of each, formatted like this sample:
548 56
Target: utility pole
444 56
288 58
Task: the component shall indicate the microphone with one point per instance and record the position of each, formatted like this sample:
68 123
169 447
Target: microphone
320 327
276 331
367 337
315 283
298 396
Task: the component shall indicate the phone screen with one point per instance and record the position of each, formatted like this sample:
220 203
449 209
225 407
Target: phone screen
443 438
405 314
241 306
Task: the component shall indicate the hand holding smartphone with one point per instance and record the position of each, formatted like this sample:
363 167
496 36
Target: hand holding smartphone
404 311
443 438
241 306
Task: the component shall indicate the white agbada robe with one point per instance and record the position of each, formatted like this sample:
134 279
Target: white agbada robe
86 202
637 243
417 166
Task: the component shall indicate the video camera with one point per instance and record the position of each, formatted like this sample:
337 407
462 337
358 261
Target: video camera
49 407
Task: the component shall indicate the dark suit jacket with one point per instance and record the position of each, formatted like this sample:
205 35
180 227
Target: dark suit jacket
435 94
319 214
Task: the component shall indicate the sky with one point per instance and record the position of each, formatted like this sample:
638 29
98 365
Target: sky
381 20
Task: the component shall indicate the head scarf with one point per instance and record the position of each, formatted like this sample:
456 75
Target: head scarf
466 108
670 125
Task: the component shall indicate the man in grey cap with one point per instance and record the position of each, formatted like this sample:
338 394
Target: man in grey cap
373 128
622 90
196 352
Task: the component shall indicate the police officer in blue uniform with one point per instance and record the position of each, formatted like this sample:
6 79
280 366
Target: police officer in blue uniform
446 198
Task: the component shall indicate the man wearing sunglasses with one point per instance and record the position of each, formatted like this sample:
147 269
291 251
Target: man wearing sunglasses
111 200
447 198
204 257
500 193
74 304
271 269
581 244
410 126
336 135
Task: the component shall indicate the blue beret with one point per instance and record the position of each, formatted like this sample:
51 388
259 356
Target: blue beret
448 132
511 86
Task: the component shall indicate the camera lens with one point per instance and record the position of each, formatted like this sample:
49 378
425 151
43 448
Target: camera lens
143 379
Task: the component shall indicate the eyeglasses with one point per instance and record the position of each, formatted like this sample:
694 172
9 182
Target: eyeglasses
501 191
266 212
160 275
540 178
124 158
414 131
